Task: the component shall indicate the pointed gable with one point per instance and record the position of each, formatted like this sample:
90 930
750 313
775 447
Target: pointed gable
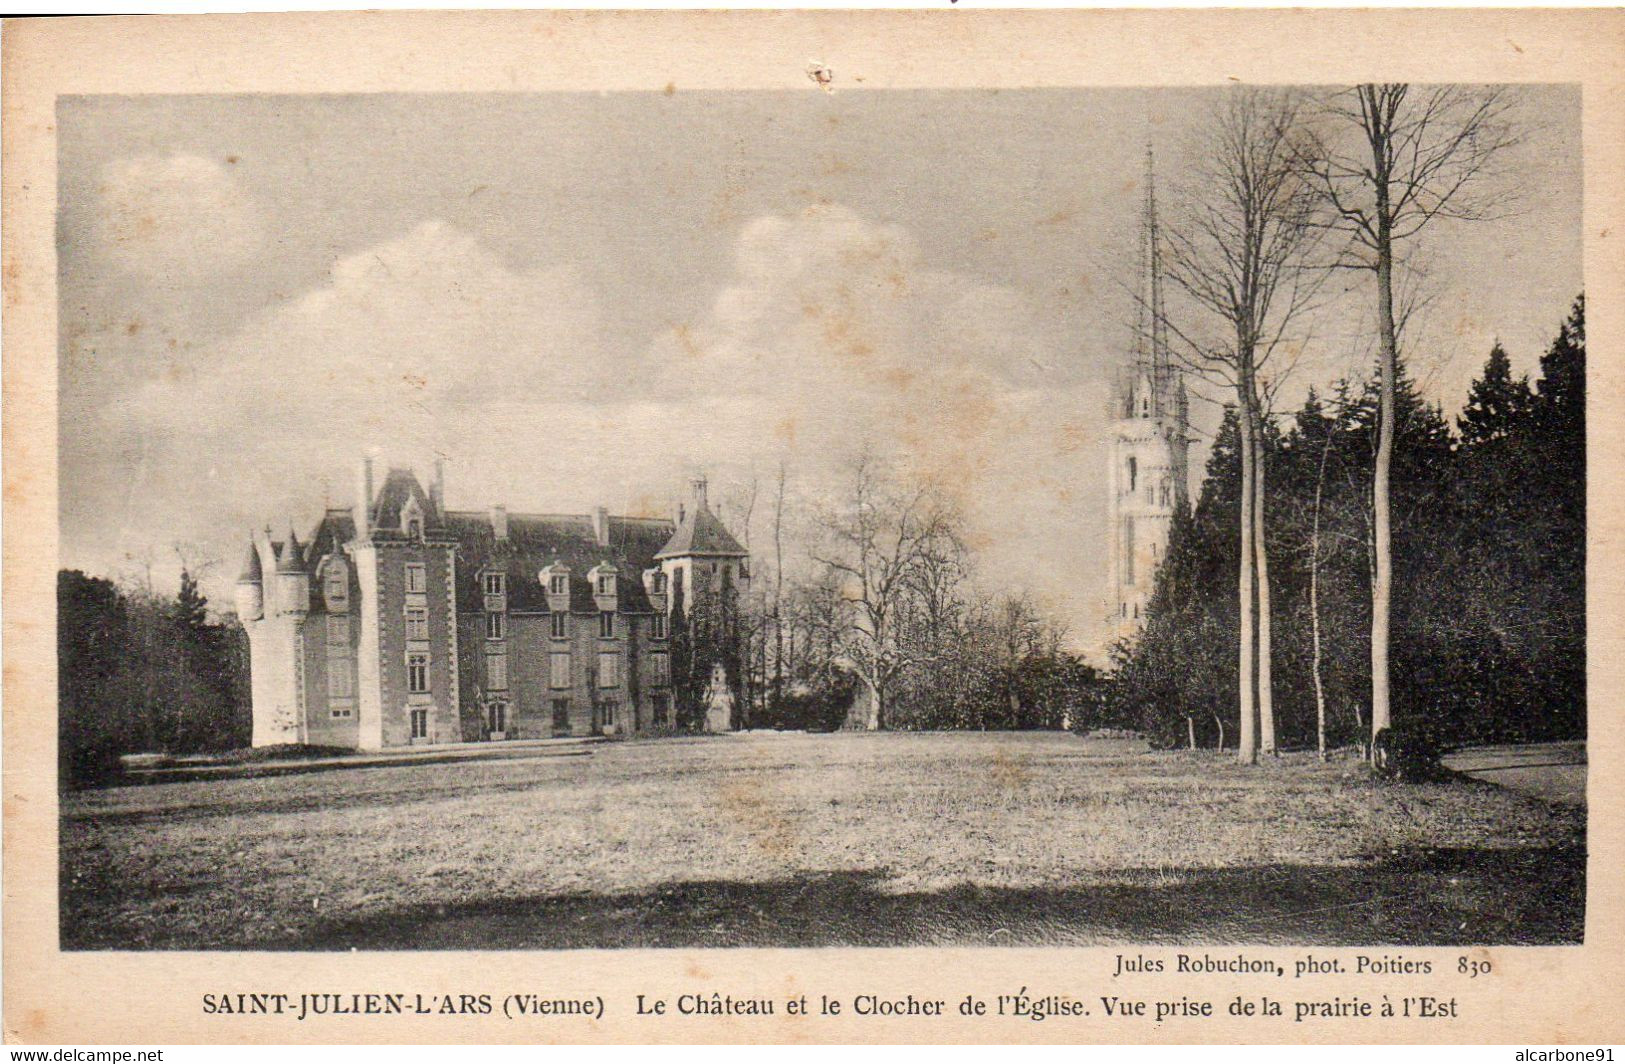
401 491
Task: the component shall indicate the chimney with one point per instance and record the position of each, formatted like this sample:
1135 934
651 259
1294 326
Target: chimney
363 500
600 525
499 522
698 485
437 488
678 512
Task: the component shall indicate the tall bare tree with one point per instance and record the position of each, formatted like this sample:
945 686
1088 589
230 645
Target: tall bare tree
778 585
1386 161
876 541
1239 251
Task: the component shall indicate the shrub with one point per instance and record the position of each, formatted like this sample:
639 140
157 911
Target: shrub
92 763
817 708
1410 750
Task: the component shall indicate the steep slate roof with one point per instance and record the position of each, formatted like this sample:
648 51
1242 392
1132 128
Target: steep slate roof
702 532
399 486
536 541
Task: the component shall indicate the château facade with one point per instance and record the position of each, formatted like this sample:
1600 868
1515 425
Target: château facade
399 622
1150 443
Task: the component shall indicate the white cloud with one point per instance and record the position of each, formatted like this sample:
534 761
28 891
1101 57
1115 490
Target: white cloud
175 218
832 332
424 343
835 332
404 340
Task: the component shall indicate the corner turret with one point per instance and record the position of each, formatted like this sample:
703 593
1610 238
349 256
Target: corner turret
251 587
293 581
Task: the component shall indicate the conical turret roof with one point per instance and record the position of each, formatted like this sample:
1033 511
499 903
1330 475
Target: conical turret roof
292 559
252 572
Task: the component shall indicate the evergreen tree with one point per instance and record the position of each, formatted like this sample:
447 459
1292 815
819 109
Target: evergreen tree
94 724
1497 404
686 711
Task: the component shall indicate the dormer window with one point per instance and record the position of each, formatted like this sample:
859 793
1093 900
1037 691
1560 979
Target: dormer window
495 588
412 519
555 579
602 577
336 585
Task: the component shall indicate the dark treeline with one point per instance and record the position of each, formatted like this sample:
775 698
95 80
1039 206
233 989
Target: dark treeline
1489 629
140 672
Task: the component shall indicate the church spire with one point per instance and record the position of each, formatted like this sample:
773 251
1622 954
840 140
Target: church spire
1152 363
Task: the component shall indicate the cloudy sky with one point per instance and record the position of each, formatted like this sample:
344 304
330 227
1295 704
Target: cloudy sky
580 299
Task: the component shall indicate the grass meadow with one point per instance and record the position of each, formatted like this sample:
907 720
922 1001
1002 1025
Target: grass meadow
819 840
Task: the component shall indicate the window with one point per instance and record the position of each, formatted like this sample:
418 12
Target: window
657 583
607 711
1133 474
414 529
496 716
558 584
495 586
1128 552
558 671
560 622
609 669
496 625
417 624
606 625
657 626
662 707
496 671
417 674
340 679
417 577
342 712
420 724
338 630
561 714
336 586
660 664
606 583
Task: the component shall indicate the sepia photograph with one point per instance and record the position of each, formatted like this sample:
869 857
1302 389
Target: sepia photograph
688 518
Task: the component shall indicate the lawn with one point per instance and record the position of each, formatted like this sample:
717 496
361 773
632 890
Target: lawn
796 840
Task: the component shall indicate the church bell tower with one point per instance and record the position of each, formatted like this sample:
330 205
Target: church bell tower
1150 440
